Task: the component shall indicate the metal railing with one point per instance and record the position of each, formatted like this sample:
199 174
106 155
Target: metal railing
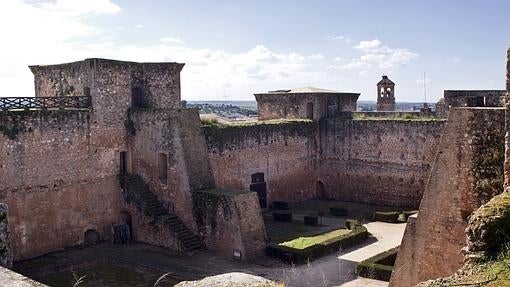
44 103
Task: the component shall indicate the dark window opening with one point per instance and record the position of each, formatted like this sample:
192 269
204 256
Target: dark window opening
257 177
259 186
320 190
476 102
123 163
91 237
137 97
309 111
162 167
86 91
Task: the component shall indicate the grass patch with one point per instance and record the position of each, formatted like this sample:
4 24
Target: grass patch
305 242
319 247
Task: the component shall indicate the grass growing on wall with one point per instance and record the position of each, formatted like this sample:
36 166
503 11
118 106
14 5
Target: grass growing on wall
394 117
304 242
214 123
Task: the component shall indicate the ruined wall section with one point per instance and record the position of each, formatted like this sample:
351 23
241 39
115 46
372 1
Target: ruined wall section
58 179
378 161
230 220
286 153
155 133
196 158
467 172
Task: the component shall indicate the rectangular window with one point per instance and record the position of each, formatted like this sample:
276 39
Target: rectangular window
162 167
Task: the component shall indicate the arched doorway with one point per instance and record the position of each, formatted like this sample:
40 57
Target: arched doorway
91 237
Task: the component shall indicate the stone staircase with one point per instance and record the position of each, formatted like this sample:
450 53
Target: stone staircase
138 193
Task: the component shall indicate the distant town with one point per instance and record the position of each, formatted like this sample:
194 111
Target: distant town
246 110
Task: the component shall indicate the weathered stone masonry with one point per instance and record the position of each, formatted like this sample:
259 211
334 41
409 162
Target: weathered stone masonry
59 168
285 153
467 172
371 161
377 161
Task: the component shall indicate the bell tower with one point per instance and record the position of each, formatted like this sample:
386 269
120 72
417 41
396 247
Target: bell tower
385 94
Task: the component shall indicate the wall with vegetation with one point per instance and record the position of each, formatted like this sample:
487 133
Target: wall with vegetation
286 152
467 173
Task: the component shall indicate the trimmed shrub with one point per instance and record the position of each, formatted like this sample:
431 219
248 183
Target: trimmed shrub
311 220
379 266
409 213
390 216
338 211
298 256
280 205
284 216
352 223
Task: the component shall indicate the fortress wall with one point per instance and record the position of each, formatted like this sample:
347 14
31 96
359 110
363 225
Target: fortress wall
507 123
58 177
467 172
230 220
111 83
286 153
378 161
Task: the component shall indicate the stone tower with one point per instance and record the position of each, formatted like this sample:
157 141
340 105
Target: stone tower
385 94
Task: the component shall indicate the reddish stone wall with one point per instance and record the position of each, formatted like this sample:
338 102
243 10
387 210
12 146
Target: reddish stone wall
507 117
378 161
294 105
169 132
58 177
467 172
286 154
230 220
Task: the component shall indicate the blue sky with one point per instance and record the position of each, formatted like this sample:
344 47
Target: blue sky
233 49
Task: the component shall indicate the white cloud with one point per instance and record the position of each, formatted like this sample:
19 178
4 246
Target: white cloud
376 54
76 8
455 59
171 40
340 38
367 46
139 26
61 37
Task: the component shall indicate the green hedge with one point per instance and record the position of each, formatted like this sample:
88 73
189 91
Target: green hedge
393 216
352 223
337 211
379 266
387 216
298 256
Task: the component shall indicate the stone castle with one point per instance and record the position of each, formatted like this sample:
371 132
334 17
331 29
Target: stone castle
104 152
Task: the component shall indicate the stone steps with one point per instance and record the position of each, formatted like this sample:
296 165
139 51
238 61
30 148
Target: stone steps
151 206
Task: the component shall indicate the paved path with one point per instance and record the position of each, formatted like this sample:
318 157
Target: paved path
388 235
331 270
363 282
